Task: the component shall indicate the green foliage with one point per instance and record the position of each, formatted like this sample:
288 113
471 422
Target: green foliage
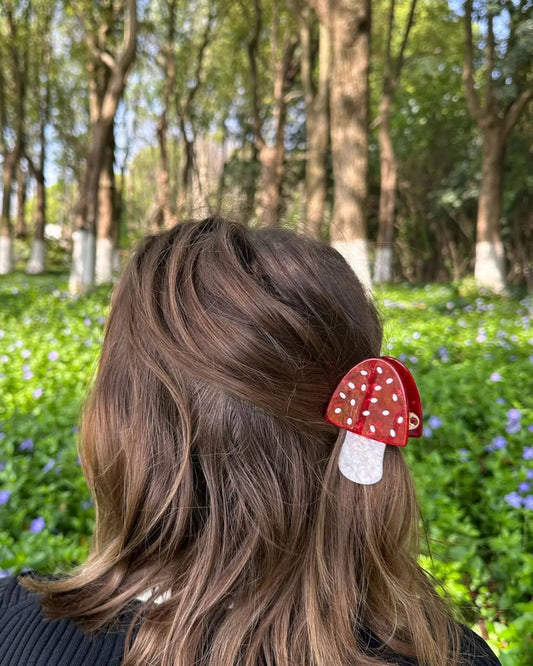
472 359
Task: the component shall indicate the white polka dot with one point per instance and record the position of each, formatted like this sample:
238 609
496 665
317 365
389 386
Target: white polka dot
363 387
351 384
352 402
395 397
379 369
400 419
390 380
366 413
342 395
393 433
349 421
364 372
386 412
372 428
377 387
373 399
338 410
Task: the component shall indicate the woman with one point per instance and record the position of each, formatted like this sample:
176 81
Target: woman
225 534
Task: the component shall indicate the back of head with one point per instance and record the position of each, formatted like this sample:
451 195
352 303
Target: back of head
215 473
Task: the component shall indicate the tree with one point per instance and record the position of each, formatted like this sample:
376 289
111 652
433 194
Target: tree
108 75
388 166
12 114
349 27
271 151
316 97
42 85
496 109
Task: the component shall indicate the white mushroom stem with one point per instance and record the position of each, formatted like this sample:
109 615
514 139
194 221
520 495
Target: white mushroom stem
361 459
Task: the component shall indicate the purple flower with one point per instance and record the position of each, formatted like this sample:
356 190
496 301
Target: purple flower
528 502
514 499
528 453
463 455
4 496
26 445
87 321
28 374
434 422
514 414
2 435
495 377
87 504
481 336
37 525
2 465
513 427
529 474
88 343
5 359
37 393
500 401
25 353
49 465
499 442
101 320
530 428
417 335
524 487
427 432
5 572
53 356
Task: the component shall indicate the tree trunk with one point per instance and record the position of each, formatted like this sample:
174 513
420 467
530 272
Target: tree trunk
316 125
6 249
271 159
36 263
489 266
387 195
83 261
272 156
107 219
21 230
350 34
185 204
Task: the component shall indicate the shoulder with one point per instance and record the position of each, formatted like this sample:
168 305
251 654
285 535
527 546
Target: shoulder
475 651
28 637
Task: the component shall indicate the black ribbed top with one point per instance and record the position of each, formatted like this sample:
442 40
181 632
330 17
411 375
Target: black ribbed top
27 638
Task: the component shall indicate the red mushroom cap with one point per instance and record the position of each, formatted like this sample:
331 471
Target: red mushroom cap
375 400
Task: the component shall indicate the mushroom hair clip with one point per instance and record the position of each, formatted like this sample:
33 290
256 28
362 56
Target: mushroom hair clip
377 403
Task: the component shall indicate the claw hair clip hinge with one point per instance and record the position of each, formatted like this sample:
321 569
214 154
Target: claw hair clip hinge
377 403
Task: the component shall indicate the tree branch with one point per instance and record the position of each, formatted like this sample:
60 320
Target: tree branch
489 62
129 44
401 53
516 109
253 47
472 99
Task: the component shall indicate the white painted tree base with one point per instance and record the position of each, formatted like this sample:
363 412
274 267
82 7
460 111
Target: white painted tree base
36 260
356 254
105 251
6 255
361 459
489 267
383 265
83 256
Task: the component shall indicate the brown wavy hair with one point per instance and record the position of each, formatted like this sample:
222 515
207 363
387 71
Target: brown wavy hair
214 473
